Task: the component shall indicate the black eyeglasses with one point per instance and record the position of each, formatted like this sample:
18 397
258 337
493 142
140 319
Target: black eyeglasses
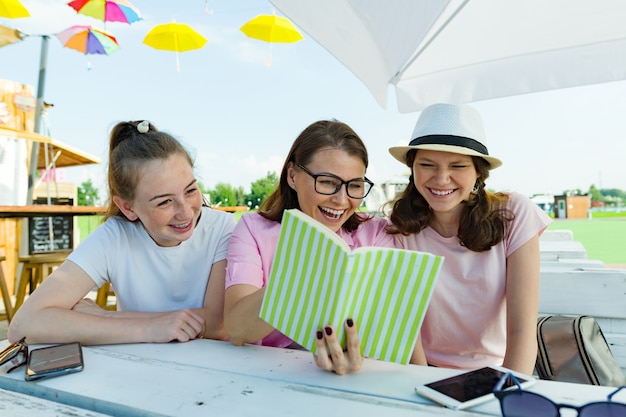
521 403
13 356
329 184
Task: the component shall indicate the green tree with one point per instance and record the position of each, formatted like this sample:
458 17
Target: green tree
226 195
613 192
595 194
260 189
87 194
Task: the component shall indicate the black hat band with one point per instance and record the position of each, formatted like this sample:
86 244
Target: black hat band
450 140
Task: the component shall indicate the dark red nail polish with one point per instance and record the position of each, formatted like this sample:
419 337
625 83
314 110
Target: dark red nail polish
329 330
319 334
350 323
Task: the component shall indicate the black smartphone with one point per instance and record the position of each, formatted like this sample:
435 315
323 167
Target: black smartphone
55 360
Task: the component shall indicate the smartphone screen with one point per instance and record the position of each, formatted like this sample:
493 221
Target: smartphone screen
470 388
54 361
472 384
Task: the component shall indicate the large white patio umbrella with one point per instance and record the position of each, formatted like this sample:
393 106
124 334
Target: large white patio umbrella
467 50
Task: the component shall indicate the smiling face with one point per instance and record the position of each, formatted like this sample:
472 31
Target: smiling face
167 200
331 210
444 179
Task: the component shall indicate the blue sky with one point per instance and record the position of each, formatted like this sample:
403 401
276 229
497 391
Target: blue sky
239 116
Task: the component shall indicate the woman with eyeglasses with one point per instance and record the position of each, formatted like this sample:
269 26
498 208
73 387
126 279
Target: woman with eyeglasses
324 177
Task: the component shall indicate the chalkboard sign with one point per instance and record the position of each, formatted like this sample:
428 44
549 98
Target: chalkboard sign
62 230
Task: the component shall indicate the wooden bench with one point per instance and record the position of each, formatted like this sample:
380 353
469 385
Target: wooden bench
571 264
596 292
556 235
561 249
32 270
6 297
102 297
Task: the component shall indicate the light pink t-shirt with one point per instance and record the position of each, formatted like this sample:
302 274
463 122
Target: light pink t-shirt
465 325
253 243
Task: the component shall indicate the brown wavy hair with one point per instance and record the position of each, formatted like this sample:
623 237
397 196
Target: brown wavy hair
129 150
484 218
319 135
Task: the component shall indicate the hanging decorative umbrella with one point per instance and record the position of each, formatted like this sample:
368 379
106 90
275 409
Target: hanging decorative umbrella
88 40
13 9
9 36
177 37
107 10
271 29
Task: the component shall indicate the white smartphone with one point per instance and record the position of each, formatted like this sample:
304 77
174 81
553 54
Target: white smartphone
470 388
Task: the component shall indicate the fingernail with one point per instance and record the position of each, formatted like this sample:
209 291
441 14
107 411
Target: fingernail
319 334
328 330
350 323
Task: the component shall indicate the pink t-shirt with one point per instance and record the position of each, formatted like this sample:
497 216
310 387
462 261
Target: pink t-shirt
465 325
253 243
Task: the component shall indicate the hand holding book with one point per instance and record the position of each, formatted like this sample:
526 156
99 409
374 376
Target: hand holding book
316 280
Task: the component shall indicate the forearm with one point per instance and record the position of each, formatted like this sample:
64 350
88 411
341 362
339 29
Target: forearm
213 322
58 325
242 321
418 357
521 352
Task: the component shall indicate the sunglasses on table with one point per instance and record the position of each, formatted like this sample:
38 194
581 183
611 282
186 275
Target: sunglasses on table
13 356
521 403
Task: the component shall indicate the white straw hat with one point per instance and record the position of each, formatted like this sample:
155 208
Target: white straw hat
448 128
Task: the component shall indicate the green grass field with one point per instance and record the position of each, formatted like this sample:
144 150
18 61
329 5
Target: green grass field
604 236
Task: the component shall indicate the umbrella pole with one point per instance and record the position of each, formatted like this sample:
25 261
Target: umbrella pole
34 154
268 62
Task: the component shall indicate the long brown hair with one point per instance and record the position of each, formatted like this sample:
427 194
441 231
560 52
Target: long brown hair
129 150
318 135
484 218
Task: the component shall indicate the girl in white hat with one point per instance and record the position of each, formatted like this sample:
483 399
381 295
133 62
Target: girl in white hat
484 307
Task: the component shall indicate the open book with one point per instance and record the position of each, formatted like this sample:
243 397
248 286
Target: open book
316 280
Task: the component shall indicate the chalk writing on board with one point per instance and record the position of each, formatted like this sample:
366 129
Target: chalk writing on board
49 234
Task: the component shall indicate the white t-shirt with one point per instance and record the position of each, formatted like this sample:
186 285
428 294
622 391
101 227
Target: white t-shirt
150 278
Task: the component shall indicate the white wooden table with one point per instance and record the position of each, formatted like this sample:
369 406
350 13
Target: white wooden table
14 404
205 377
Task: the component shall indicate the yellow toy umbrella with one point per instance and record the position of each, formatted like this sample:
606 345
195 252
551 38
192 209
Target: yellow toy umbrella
9 36
271 28
177 37
12 9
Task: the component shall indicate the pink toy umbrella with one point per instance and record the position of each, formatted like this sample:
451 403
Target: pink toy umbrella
107 10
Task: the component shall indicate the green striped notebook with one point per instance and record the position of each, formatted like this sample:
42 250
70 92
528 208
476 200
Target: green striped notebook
316 280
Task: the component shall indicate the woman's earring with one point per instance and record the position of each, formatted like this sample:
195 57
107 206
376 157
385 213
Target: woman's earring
476 188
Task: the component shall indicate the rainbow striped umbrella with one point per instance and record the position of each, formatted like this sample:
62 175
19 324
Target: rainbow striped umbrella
107 10
88 40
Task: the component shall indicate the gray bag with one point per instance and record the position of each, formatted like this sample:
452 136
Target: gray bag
573 349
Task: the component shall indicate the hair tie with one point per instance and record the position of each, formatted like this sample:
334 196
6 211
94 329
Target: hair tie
143 127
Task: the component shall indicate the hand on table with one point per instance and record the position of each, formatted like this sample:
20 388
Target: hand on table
331 357
182 325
